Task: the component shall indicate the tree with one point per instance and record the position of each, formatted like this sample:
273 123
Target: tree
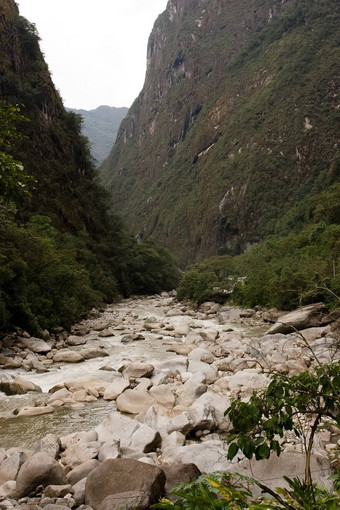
297 403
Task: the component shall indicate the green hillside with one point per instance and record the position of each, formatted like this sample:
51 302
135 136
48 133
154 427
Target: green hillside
101 126
237 124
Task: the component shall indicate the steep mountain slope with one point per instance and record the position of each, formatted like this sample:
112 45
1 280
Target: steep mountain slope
60 251
236 123
101 126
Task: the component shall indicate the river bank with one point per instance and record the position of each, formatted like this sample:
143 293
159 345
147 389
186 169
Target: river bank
149 379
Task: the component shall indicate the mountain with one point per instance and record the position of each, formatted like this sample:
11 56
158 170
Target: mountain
101 126
235 125
61 252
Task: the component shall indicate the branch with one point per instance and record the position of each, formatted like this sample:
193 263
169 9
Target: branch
272 493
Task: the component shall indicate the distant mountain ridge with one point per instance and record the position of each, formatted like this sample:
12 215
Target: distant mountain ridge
101 127
235 126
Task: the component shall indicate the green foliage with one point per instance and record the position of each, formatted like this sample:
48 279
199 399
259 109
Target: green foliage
50 278
212 492
153 269
197 286
13 178
283 271
260 423
29 36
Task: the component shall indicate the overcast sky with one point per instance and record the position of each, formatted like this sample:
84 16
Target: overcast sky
96 50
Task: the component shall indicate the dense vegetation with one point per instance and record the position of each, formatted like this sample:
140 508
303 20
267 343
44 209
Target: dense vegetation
61 251
284 271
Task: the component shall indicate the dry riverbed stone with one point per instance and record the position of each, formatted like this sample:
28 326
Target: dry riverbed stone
114 475
40 469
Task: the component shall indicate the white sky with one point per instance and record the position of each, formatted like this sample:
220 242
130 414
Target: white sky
95 50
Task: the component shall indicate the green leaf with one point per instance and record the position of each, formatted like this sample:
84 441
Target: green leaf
263 451
232 451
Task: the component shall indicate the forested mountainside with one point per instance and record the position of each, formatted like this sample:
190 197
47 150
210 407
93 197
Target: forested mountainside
235 129
101 126
60 251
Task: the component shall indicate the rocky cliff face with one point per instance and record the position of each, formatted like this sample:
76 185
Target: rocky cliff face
235 123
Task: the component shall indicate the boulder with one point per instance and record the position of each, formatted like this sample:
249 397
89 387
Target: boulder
133 337
200 354
79 453
218 403
58 491
78 437
163 395
75 340
67 356
111 451
209 456
61 394
134 401
93 352
175 365
81 471
116 388
305 317
35 411
132 436
11 465
105 333
49 444
36 345
40 469
18 386
106 480
8 490
79 492
211 373
138 369
181 349
193 388
248 381
177 474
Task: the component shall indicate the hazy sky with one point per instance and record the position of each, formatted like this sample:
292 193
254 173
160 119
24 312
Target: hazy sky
96 50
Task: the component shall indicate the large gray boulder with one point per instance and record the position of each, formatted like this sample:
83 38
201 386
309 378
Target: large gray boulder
134 401
305 317
208 456
49 444
67 356
133 437
177 474
113 475
36 345
79 453
211 373
116 388
18 386
193 388
81 471
11 465
40 469
138 369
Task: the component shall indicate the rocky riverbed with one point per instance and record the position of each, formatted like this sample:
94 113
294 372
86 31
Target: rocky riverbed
137 391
